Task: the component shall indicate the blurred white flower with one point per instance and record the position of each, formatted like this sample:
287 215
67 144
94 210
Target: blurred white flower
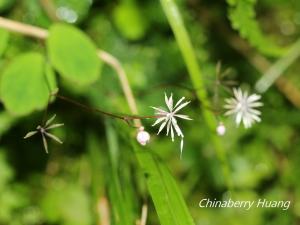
242 106
143 137
221 129
44 132
168 118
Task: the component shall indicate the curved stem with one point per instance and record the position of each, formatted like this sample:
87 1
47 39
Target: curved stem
114 63
22 28
109 59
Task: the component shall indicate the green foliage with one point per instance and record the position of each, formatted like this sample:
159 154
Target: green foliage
6 122
24 87
242 18
122 213
73 54
67 201
167 198
6 173
128 12
6 4
4 37
72 10
13 197
100 172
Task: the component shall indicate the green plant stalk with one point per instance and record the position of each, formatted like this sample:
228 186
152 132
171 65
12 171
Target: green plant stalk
175 20
97 163
165 193
121 212
278 68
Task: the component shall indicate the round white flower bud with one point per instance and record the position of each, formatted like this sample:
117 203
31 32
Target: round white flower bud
221 129
143 137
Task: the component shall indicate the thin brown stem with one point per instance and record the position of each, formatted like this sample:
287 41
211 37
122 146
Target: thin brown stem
109 59
114 63
102 112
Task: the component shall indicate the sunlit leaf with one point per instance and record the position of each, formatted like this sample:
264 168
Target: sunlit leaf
168 200
6 4
73 54
24 85
4 36
128 13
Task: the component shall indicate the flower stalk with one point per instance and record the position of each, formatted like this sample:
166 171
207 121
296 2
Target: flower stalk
109 59
176 22
124 117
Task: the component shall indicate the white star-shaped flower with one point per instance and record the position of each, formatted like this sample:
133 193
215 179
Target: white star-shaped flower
168 118
242 106
44 131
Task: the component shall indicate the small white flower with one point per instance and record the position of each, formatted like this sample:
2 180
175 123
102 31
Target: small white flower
221 129
43 130
243 107
168 118
143 137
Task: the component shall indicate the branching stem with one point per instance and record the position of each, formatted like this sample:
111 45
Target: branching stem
124 117
109 59
183 40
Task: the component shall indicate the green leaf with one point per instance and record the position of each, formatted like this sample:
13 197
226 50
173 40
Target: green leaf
165 193
4 36
242 18
6 122
73 54
197 77
6 4
6 173
128 13
23 85
122 212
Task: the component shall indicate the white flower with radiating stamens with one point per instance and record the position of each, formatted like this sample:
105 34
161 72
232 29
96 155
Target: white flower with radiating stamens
242 106
44 132
168 118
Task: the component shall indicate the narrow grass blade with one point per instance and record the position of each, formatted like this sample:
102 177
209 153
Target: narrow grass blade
168 200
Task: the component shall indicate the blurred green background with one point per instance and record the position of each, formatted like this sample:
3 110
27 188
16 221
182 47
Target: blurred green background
77 181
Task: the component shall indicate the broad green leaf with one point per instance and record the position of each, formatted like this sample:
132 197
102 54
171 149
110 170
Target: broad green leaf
168 201
6 4
23 86
128 13
73 54
4 36
51 79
